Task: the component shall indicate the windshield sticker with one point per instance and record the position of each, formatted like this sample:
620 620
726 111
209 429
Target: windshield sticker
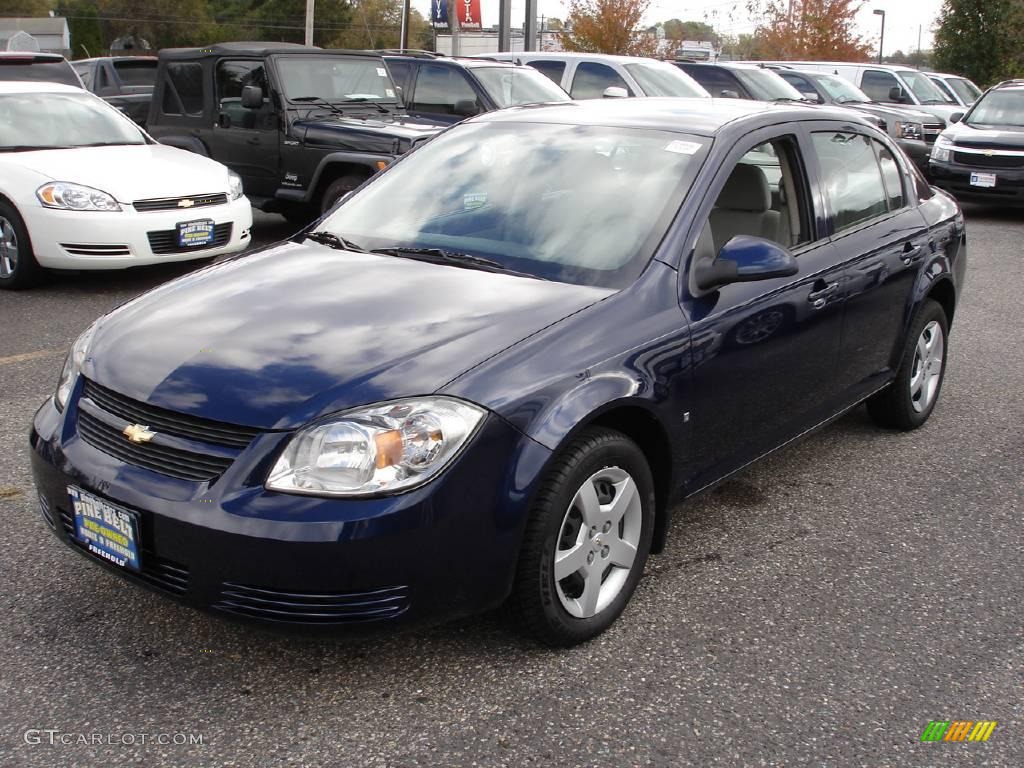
474 200
381 72
389 93
683 147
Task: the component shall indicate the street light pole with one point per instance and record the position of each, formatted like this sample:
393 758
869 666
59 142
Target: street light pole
309 21
881 40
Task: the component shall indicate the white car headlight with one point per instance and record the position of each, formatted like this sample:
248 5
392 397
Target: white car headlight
234 185
75 197
72 367
376 449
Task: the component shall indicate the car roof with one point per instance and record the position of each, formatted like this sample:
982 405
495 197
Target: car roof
723 64
461 61
116 58
695 116
32 86
256 49
572 55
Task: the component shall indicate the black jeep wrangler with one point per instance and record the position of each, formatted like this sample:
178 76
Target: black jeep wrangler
302 126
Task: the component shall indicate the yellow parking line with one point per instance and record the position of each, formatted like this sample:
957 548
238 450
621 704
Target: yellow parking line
12 359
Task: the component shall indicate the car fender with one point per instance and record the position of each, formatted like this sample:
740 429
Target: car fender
367 160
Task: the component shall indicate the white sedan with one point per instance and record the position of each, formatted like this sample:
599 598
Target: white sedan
83 187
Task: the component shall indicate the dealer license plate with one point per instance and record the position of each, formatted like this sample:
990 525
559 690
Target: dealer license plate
107 530
192 234
983 179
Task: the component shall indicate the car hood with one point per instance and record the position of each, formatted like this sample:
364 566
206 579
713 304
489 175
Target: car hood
986 138
130 173
364 132
890 113
945 111
278 338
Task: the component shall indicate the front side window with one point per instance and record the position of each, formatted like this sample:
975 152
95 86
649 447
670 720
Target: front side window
183 89
543 199
512 86
661 79
552 70
944 89
40 121
232 77
592 79
853 180
1002 108
334 78
440 89
877 83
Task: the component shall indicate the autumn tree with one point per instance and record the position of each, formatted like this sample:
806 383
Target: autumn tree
608 26
815 30
677 31
980 39
378 24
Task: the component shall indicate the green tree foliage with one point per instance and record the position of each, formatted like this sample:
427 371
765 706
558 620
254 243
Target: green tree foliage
677 30
26 8
981 39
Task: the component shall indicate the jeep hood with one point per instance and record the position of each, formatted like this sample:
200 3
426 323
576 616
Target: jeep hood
280 337
361 132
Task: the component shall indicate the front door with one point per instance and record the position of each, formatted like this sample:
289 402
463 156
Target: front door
766 370
246 140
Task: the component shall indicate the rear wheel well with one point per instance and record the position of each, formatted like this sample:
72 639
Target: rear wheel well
644 429
944 293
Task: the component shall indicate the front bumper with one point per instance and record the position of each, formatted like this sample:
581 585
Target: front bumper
955 178
128 238
446 549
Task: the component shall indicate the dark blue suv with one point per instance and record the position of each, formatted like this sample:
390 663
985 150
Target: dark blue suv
493 371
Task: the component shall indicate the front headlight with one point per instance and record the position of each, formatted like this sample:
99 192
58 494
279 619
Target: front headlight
72 366
75 197
377 449
906 130
942 141
234 185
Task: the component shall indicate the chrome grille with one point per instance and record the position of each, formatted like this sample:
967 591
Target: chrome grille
179 203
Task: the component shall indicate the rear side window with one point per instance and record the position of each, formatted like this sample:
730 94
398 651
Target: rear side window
853 179
592 79
551 69
877 84
891 175
183 89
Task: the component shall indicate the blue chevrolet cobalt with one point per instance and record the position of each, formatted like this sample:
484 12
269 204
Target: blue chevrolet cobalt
489 375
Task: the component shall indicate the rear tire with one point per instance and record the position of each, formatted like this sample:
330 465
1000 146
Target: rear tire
18 266
908 402
338 189
587 539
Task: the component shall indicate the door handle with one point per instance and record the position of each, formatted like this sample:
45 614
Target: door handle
911 253
819 297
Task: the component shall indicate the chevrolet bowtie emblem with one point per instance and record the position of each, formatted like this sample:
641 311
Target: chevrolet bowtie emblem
186 203
138 433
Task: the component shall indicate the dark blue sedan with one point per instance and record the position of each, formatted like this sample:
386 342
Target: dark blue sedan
491 373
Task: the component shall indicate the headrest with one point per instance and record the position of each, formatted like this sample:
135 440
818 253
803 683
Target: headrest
746 190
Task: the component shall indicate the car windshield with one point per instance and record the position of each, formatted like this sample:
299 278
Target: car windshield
660 79
1003 108
511 86
923 87
575 204
53 71
965 89
842 91
335 78
40 121
765 85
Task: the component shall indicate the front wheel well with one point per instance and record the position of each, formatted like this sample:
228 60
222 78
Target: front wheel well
335 171
640 426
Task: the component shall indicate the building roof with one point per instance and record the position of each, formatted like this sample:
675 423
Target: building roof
56 25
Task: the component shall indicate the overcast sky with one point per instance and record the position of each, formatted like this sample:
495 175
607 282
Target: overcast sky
903 17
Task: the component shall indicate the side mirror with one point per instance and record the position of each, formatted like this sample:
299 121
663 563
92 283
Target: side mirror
817 98
745 259
956 117
615 92
252 97
728 94
466 108
896 94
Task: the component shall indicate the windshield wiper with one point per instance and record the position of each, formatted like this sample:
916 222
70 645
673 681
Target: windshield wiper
363 100
318 101
454 258
337 242
791 100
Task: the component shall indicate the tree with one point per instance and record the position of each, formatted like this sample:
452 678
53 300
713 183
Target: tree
26 8
980 39
816 30
608 26
744 47
378 24
677 31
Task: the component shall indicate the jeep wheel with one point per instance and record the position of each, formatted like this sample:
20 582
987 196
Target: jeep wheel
338 189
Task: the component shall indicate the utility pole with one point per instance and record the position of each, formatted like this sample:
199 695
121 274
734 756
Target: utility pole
403 37
530 28
309 21
453 22
504 25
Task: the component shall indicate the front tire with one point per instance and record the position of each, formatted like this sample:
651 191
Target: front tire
18 266
338 189
587 539
908 402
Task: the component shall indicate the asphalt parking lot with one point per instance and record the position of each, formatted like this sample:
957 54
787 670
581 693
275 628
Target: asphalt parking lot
820 609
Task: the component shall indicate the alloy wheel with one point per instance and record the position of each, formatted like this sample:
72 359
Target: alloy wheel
597 542
926 371
8 248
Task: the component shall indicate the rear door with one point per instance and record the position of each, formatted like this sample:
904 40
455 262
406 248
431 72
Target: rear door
881 237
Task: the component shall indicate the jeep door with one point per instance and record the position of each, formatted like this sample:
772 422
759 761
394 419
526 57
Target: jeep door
245 139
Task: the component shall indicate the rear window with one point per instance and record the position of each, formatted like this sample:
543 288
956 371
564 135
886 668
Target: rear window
136 73
54 71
